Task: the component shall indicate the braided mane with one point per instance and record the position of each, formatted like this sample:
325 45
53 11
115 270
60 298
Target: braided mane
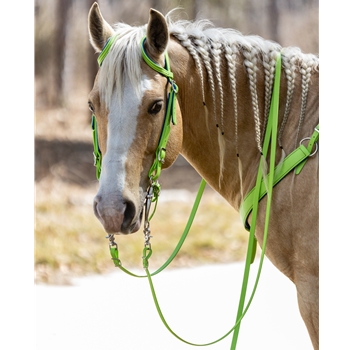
208 46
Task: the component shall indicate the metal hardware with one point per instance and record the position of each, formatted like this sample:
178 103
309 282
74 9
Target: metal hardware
146 225
309 138
112 242
96 158
160 159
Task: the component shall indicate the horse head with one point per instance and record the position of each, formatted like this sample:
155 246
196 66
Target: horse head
129 100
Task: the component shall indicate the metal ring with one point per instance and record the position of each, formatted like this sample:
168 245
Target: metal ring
309 138
304 139
315 151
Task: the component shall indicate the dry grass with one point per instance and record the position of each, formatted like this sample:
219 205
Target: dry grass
70 241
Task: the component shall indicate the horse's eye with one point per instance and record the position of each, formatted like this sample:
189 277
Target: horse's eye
91 107
156 107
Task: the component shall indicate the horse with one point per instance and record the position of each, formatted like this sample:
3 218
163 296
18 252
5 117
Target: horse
225 81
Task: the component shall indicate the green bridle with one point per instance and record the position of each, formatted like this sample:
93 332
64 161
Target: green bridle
169 117
97 152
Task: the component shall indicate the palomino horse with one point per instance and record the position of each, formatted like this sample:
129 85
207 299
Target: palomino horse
224 84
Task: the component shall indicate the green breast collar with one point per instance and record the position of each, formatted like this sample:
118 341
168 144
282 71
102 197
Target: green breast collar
295 160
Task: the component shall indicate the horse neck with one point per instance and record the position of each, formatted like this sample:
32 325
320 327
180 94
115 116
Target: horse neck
218 124
203 126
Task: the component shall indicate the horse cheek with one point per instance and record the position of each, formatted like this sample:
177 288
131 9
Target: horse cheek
174 145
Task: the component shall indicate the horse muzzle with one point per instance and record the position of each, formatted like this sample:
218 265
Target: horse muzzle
122 217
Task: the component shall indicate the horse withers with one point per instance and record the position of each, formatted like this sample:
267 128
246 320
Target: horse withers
225 82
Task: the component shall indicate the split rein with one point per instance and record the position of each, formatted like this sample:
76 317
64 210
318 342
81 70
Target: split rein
296 160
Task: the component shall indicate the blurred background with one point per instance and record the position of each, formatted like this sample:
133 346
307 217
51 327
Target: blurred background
69 241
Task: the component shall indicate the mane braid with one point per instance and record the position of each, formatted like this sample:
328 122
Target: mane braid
183 37
250 62
204 50
289 69
305 70
230 54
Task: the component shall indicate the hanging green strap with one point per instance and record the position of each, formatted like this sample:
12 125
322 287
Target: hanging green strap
115 253
270 137
160 313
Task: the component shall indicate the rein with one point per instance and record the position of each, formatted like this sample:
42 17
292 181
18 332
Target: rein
296 160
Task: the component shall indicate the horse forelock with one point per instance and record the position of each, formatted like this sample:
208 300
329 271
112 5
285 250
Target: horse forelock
121 63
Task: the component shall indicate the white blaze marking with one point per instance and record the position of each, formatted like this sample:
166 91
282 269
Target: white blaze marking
122 123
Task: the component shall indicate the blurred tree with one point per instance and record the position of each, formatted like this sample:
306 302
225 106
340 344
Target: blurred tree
273 19
62 50
63 7
195 8
92 59
156 4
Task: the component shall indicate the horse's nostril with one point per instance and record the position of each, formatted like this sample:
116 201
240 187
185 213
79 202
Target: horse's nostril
97 199
129 213
115 216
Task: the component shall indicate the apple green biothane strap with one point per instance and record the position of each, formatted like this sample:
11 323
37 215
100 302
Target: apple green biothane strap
270 141
170 113
106 49
97 152
115 253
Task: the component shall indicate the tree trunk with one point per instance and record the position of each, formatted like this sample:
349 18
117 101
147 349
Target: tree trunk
156 4
195 8
92 58
273 16
60 50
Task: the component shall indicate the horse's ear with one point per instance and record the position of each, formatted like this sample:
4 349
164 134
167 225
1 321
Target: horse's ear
99 30
157 33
